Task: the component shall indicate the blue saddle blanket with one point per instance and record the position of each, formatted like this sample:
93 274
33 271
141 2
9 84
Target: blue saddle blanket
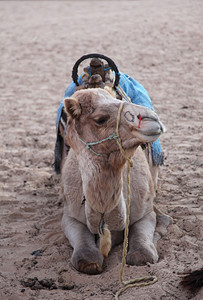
138 95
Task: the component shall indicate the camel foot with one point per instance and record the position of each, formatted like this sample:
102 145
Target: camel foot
87 260
142 256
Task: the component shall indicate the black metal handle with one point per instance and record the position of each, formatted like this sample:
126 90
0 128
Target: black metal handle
111 63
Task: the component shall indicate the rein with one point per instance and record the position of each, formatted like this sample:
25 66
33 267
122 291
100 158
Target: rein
88 145
140 281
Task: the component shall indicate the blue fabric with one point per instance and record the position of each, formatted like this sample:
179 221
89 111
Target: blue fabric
135 91
138 95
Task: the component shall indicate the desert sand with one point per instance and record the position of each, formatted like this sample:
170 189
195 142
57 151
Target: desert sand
159 43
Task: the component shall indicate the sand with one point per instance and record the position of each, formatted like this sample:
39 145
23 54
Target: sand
159 43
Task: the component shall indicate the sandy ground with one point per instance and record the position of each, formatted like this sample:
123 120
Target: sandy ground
157 42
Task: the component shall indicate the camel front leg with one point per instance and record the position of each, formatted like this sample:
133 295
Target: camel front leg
141 247
86 256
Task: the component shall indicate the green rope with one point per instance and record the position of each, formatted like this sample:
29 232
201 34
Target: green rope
88 145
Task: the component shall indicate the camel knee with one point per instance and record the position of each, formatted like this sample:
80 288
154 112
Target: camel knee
143 230
141 247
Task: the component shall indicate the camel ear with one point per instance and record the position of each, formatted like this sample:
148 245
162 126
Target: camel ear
72 107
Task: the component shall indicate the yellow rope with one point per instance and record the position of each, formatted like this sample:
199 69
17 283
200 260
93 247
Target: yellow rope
119 140
141 281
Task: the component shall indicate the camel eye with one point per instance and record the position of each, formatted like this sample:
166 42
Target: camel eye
102 120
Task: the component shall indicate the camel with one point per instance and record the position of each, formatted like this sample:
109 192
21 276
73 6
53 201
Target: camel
94 179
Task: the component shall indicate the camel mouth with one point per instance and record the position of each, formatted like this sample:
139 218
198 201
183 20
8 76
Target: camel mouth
150 137
152 128
142 138
149 132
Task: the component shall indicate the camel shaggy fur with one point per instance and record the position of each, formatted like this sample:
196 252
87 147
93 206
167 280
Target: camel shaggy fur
94 179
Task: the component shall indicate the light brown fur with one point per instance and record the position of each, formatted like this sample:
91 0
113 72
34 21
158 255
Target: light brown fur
101 179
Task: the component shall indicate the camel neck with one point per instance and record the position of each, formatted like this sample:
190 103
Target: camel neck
102 184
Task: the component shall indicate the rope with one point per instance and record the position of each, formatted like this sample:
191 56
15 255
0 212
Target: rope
141 281
88 145
120 90
118 140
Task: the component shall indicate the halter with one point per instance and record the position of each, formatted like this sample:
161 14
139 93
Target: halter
88 145
115 136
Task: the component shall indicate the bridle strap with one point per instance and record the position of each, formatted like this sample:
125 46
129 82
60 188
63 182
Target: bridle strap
88 145
114 136
118 139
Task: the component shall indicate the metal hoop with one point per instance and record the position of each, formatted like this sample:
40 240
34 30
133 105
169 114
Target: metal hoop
111 63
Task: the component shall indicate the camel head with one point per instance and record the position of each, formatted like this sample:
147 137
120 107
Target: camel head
92 117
